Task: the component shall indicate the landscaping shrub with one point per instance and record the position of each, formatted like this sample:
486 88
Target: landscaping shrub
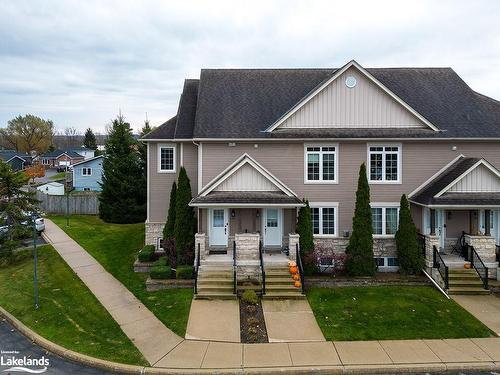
359 251
184 272
147 254
161 262
160 272
184 226
411 260
249 296
168 229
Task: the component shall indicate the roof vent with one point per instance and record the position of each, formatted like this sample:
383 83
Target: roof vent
350 81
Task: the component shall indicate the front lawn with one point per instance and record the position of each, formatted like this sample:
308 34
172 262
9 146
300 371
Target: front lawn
69 314
58 176
115 246
391 312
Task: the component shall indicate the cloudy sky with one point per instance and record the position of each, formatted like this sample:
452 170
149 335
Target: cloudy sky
80 62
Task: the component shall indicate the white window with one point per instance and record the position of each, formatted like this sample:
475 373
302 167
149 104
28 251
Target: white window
385 219
324 219
166 158
387 263
320 164
384 163
86 171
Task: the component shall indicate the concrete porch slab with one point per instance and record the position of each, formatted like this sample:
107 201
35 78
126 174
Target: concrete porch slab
409 351
362 353
290 321
214 320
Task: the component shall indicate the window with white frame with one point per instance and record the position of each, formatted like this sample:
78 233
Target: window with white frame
387 262
321 163
324 220
86 171
384 163
385 220
166 158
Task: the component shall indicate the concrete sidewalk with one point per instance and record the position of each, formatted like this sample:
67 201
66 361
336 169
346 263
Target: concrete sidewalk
148 334
485 308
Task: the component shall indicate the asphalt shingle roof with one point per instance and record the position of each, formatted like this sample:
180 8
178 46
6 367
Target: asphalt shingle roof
241 103
246 197
56 153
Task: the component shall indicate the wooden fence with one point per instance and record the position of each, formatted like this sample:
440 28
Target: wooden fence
85 204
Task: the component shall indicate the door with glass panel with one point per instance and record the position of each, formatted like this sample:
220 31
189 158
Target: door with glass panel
219 229
272 227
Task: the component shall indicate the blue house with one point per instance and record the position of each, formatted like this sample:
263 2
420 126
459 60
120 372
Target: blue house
16 160
87 174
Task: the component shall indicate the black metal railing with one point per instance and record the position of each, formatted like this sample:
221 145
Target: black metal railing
478 264
196 268
299 266
235 282
421 243
497 253
439 264
262 270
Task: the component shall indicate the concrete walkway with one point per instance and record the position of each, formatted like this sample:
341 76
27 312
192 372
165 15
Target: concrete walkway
485 308
217 320
148 334
290 321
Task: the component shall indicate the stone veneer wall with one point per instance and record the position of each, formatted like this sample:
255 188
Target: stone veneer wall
382 247
430 242
484 246
247 256
153 231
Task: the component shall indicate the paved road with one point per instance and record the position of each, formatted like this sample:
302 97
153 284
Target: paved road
12 340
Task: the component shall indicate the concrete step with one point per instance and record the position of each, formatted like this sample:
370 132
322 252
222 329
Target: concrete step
281 288
283 295
219 295
277 273
211 288
460 283
462 271
216 275
279 280
465 276
214 280
468 290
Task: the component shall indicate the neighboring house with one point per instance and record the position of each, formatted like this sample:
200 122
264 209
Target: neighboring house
255 142
59 158
87 153
51 188
87 174
17 160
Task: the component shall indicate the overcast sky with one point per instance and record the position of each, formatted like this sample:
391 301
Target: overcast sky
79 62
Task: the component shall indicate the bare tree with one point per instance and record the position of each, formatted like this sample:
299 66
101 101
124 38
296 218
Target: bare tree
72 137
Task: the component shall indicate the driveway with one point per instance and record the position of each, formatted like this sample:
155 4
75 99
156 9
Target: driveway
18 346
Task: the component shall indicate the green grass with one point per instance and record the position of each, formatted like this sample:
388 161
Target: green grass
115 246
391 312
69 314
58 176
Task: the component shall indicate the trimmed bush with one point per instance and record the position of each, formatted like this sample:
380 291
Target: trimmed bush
160 272
161 262
147 254
249 296
184 272
411 261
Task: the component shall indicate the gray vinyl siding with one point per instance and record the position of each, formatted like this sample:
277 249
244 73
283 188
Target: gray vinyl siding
420 160
160 184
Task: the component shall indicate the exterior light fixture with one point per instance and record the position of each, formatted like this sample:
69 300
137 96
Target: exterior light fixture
233 213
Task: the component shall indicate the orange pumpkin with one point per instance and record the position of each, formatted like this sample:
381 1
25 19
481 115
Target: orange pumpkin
293 270
297 284
296 277
467 266
291 263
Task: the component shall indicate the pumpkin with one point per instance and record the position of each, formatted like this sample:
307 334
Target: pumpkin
296 277
293 270
297 284
291 263
467 266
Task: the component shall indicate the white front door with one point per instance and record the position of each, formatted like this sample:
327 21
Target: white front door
272 227
219 228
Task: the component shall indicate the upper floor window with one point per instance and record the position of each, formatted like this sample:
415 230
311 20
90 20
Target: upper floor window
166 158
384 163
320 163
324 219
86 171
385 220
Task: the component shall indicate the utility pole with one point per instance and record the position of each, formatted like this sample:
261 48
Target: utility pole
35 256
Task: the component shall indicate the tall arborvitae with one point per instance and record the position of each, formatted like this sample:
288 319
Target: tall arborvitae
89 140
304 228
123 196
184 219
359 251
168 230
410 258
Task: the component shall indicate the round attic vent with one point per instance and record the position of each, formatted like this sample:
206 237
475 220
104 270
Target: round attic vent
350 81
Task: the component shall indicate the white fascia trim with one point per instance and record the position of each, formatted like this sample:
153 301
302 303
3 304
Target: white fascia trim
430 179
86 161
244 205
181 155
480 162
237 164
168 140
400 163
16 156
159 146
337 74
458 206
326 139
384 204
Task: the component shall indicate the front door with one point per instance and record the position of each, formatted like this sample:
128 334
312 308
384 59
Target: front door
218 227
272 227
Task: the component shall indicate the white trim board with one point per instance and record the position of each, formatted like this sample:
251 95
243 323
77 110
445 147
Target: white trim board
337 74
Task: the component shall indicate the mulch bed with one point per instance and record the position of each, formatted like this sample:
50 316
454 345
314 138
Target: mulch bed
252 325
331 281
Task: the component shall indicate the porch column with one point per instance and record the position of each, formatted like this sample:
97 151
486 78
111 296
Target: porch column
487 223
433 222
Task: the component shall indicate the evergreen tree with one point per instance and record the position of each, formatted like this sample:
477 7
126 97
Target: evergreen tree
184 218
89 140
168 230
143 147
123 195
410 258
304 228
359 251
